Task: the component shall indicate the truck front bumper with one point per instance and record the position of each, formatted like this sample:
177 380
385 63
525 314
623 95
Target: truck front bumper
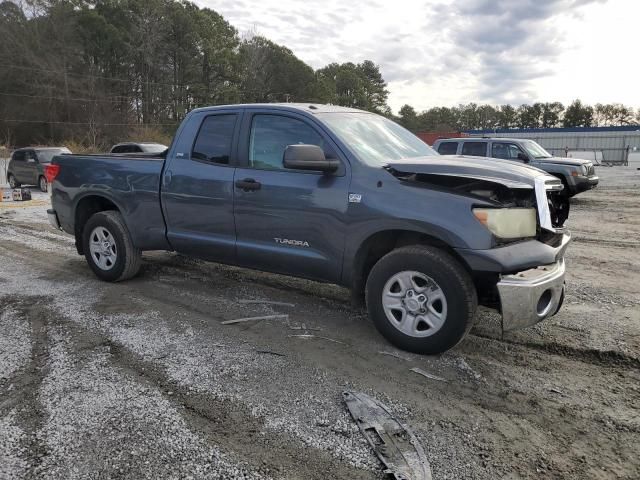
582 184
530 296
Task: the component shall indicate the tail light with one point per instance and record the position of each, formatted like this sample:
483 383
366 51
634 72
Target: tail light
51 172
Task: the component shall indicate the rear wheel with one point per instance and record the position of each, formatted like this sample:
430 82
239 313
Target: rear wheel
108 248
421 299
13 183
42 183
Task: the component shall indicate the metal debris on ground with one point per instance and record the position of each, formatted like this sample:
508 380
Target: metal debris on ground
396 355
419 371
393 443
255 319
270 352
304 327
308 335
266 302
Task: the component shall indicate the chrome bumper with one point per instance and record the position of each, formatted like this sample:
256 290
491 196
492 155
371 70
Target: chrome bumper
530 296
53 219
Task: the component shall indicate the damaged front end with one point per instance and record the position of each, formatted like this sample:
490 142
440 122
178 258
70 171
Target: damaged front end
521 276
546 194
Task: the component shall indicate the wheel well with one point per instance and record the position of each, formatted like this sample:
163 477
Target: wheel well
84 210
379 244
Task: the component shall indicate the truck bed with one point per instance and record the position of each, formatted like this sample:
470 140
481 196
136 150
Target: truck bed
131 182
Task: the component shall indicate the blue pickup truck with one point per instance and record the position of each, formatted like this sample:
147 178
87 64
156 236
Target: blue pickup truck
336 195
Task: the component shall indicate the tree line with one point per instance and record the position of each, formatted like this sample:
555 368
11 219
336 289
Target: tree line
93 72
100 71
539 115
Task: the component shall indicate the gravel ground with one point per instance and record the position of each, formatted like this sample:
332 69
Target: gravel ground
141 379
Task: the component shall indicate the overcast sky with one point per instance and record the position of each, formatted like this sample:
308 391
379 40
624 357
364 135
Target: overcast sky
437 52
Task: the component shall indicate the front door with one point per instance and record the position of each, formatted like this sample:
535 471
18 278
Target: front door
288 221
197 193
31 168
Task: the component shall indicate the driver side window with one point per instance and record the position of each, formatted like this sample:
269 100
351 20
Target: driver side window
507 151
272 134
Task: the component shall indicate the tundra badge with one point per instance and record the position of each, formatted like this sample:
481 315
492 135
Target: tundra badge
293 243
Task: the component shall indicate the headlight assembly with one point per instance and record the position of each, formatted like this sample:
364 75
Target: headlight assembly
508 223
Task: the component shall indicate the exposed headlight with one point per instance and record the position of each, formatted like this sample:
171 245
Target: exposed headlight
508 223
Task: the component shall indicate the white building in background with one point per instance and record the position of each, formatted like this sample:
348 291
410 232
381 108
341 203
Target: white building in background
601 144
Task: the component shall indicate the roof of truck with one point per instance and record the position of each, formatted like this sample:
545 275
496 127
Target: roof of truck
304 107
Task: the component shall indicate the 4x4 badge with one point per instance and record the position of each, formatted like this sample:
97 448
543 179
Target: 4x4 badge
355 198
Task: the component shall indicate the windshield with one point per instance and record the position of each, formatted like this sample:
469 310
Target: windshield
535 150
45 155
374 139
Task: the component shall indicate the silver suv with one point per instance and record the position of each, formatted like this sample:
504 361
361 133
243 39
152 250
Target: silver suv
577 175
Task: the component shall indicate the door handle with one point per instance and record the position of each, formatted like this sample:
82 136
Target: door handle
248 184
167 178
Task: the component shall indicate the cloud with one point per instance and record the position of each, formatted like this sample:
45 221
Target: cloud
430 50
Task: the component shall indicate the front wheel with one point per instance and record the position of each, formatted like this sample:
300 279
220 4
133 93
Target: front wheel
108 248
13 183
42 183
421 299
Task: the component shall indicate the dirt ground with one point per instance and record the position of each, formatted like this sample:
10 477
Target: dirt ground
141 379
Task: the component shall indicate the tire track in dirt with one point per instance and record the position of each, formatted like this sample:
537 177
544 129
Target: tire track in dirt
217 420
602 358
26 383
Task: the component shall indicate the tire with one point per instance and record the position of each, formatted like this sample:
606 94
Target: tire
114 257
436 279
42 183
13 183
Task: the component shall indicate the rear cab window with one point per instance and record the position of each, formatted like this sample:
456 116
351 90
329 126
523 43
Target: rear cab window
448 148
474 149
215 139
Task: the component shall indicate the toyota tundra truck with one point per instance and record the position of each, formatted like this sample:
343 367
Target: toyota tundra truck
336 195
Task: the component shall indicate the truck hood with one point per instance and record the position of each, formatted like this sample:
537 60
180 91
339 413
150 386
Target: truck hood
563 161
505 172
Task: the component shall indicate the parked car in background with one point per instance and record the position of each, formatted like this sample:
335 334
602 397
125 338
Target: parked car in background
577 175
135 147
27 166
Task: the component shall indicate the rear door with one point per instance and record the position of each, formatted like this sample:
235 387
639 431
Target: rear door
288 221
197 191
30 167
474 149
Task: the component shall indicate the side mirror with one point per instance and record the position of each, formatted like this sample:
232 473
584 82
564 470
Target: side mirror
523 157
309 157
